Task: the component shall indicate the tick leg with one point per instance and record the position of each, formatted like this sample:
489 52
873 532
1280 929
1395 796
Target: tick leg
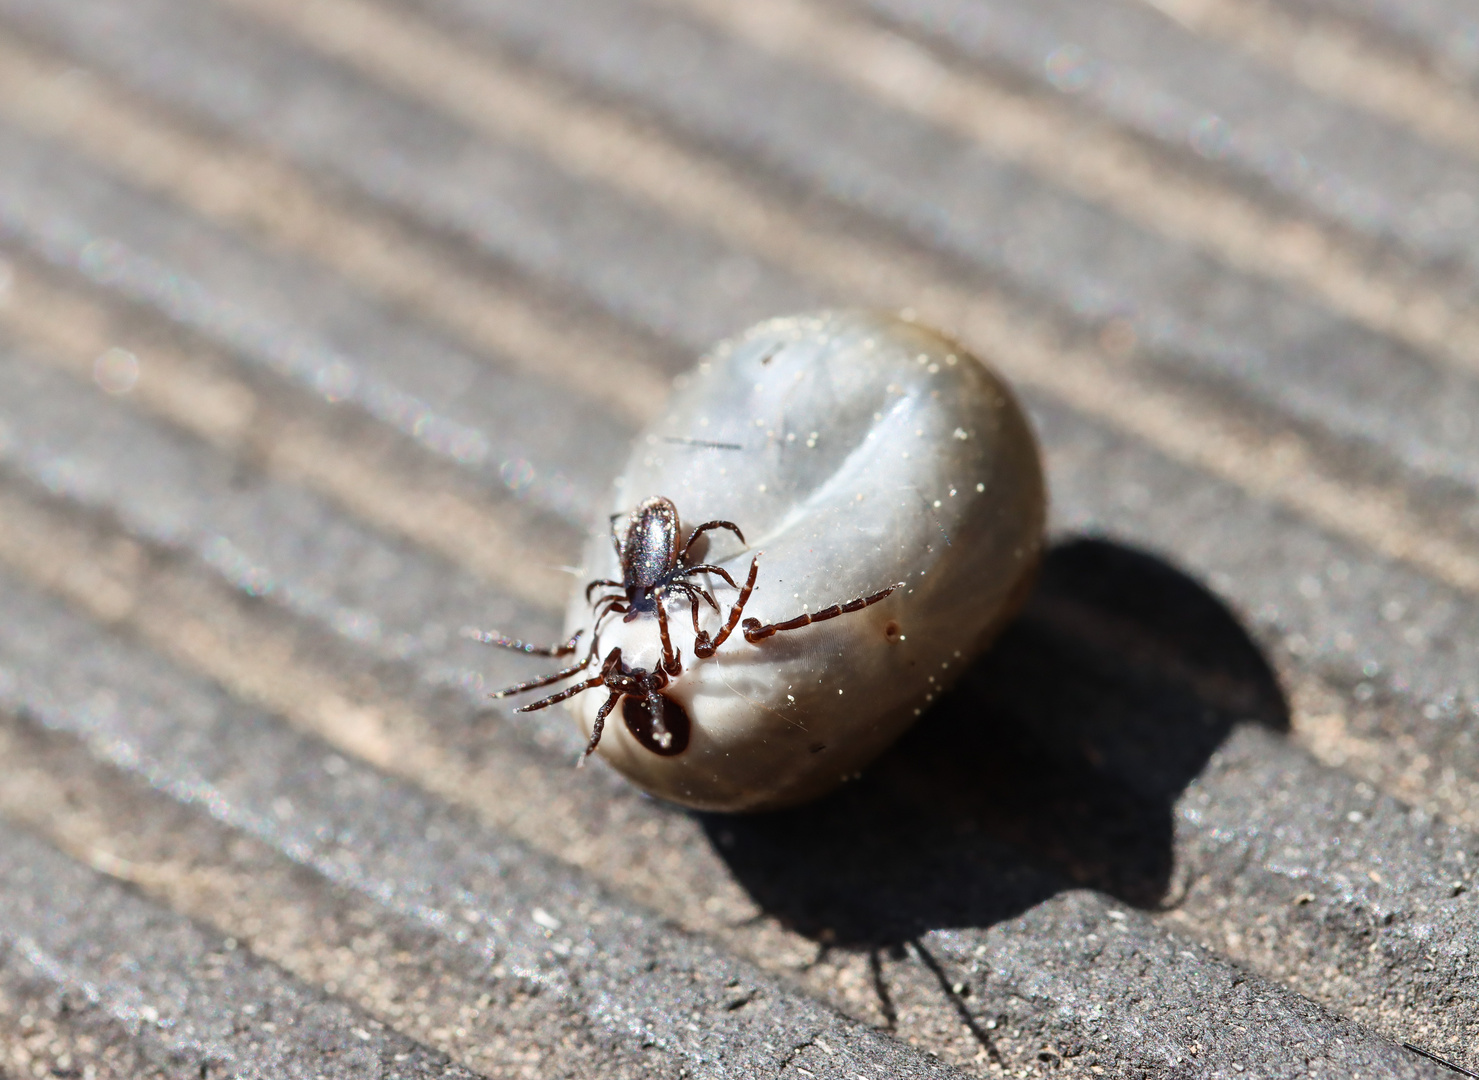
660 733
693 600
612 660
703 646
489 638
546 680
705 527
755 632
543 680
670 662
599 726
615 604
615 539
705 568
593 586
692 591
568 692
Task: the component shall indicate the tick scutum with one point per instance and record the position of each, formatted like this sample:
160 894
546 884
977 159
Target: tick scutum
649 551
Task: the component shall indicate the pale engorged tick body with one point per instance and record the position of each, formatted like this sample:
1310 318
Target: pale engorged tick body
892 496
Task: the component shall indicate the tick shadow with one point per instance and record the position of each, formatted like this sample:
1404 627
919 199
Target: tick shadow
1055 762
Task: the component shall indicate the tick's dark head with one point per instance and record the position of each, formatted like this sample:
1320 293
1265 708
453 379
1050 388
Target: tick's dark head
649 546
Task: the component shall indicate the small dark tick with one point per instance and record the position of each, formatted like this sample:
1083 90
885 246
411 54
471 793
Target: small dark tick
655 565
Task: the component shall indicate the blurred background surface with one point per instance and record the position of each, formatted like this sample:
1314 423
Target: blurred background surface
324 327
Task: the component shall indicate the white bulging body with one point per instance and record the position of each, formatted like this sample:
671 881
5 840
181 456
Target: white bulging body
855 450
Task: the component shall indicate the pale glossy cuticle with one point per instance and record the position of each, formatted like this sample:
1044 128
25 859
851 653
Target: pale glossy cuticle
857 451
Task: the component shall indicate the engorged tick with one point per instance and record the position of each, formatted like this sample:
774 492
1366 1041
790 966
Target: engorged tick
857 449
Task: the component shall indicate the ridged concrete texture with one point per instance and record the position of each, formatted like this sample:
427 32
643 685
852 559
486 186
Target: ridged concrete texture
323 328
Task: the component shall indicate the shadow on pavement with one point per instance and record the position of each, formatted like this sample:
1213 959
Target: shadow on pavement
1055 762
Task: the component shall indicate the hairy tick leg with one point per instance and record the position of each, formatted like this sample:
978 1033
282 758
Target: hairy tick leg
612 660
706 568
703 646
543 680
488 637
599 726
602 583
754 631
705 527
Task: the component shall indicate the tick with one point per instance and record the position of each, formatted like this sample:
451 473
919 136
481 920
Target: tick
656 567
867 457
